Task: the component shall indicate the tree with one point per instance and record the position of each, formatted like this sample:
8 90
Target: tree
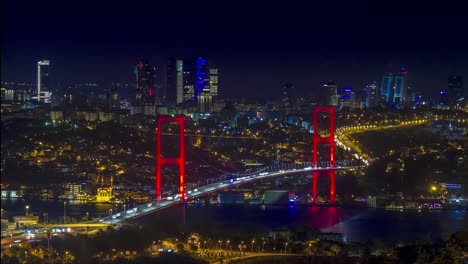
455 248
193 247
336 248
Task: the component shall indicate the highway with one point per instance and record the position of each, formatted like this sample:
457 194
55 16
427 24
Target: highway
343 140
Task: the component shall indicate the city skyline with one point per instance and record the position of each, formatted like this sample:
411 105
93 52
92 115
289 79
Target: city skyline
256 52
231 131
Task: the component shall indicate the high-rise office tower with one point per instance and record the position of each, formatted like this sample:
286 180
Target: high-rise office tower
203 94
386 89
43 82
455 89
180 80
331 91
203 79
287 99
372 95
347 99
214 82
394 87
188 80
170 82
112 99
444 98
399 95
146 87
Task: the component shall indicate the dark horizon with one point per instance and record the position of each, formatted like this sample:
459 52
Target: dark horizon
257 48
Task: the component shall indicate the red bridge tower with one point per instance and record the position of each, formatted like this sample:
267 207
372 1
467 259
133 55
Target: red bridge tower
324 140
179 161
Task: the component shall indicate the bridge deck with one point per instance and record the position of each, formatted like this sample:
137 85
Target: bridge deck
227 182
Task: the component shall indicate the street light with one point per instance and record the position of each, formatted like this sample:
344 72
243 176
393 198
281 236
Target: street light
27 209
227 245
253 241
285 247
66 256
220 244
87 216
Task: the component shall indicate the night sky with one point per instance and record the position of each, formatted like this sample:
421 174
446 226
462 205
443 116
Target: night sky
257 47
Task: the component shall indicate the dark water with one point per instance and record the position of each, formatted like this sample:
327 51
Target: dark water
359 224
54 209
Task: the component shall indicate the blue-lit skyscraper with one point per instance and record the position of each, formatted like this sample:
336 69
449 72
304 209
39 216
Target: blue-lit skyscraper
191 82
347 99
393 88
386 89
202 84
399 94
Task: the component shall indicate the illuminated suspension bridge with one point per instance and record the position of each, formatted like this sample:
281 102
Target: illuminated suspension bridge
226 181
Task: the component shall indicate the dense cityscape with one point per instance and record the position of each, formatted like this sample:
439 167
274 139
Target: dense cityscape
175 160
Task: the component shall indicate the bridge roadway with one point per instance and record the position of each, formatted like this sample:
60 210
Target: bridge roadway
226 182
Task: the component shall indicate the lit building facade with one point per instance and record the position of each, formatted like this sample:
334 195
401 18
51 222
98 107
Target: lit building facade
179 81
191 82
43 82
287 99
386 88
7 95
372 95
347 99
455 90
394 87
146 87
331 91
399 95
214 82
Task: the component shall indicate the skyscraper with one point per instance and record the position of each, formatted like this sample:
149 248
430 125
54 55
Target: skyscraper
287 99
455 89
331 90
399 95
347 99
180 80
214 82
188 80
146 87
203 79
394 88
386 89
170 82
186 74
372 95
43 82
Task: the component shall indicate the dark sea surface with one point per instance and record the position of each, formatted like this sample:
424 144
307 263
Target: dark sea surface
359 224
